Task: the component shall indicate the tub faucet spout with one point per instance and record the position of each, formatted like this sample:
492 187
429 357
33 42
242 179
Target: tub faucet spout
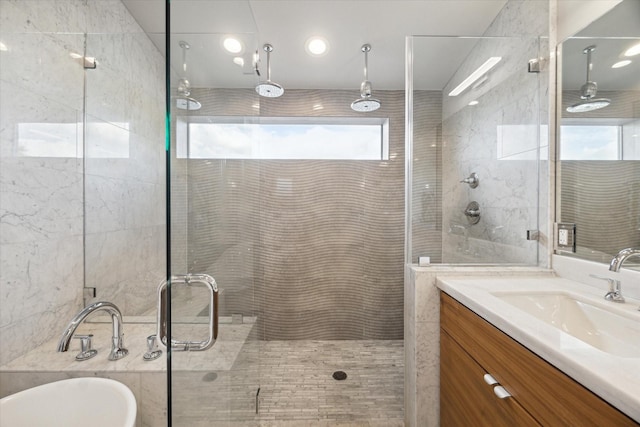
117 345
622 256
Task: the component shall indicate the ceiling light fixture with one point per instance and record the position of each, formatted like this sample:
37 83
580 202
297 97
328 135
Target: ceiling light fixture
633 50
316 46
232 45
481 71
474 102
3 47
239 60
621 64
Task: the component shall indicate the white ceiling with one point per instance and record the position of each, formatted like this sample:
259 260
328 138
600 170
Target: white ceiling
347 24
287 24
612 34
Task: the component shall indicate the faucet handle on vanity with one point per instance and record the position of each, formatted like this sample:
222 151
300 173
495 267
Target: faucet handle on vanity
615 288
86 352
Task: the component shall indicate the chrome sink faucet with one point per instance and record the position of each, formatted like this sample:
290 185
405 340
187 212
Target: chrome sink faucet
621 257
117 349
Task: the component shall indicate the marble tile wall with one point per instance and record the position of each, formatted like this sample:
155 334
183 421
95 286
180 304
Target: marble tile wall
317 258
45 168
501 139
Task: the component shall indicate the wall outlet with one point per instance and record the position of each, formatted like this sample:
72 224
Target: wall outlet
565 237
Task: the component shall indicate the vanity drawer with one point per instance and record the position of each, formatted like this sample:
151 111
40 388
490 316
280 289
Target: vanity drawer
549 395
466 399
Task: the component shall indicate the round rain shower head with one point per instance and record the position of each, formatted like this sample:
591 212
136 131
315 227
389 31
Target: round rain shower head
187 103
589 90
366 103
589 105
268 88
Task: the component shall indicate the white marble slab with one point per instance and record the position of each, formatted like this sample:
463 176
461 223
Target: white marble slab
220 357
615 379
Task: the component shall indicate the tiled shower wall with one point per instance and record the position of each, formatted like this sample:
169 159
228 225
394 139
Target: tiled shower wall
313 247
502 139
43 161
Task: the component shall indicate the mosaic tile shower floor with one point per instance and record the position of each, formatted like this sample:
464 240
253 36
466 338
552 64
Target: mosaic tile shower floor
297 387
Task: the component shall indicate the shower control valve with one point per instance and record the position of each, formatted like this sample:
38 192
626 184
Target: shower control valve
473 180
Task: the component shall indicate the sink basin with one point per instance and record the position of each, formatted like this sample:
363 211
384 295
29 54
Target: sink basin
606 330
69 403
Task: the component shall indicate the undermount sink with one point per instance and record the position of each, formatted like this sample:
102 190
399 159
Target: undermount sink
606 330
68 403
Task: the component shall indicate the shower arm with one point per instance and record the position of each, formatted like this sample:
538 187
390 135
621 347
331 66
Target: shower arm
366 49
589 63
268 48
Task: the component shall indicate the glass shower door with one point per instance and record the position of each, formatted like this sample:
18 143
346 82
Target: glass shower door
216 385
482 117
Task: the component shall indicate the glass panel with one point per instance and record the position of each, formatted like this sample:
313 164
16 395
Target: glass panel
599 173
212 227
480 114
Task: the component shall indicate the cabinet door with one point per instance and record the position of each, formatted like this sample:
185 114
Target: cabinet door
466 399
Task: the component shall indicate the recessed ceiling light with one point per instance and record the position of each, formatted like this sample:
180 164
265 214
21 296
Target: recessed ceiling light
633 50
232 45
239 60
317 46
621 64
3 47
474 102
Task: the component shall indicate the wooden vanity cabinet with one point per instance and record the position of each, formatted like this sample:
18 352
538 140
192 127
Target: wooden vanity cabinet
471 347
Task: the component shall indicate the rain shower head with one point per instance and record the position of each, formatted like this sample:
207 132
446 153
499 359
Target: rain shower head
589 90
183 100
268 88
365 103
187 103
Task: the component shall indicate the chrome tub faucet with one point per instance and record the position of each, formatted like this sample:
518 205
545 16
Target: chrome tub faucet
117 345
621 257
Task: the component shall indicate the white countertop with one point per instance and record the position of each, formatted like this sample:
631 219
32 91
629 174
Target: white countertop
615 379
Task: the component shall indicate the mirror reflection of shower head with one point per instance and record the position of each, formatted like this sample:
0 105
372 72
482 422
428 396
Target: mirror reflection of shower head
268 88
183 100
365 103
589 90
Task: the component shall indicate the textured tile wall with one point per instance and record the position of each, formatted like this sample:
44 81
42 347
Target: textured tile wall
314 247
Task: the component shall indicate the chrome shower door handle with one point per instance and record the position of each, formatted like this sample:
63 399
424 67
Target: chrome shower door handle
189 280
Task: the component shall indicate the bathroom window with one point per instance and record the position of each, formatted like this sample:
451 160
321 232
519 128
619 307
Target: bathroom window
591 142
301 138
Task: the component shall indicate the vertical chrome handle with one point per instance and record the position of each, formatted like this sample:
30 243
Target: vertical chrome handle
189 280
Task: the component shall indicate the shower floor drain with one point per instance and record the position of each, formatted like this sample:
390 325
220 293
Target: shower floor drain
339 375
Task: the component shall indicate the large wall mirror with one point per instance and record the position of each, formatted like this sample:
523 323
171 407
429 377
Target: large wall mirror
599 137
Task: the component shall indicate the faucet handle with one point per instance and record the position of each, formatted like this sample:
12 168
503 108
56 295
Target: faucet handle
152 349
86 352
615 288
